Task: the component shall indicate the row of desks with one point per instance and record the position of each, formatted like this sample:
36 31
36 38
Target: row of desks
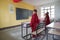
54 29
53 25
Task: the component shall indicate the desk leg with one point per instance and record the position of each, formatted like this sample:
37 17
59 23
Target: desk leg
53 36
26 33
21 31
46 33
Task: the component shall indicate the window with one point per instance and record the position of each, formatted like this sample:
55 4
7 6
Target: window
50 9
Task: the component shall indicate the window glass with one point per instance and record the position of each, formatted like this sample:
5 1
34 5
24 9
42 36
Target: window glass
42 11
52 16
46 7
45 11
52 6
52 13
42 15
50 9
42 8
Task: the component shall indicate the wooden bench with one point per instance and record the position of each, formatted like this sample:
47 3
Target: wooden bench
38 31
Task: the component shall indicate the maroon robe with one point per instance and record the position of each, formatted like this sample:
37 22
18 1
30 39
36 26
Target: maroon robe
34 22
47 19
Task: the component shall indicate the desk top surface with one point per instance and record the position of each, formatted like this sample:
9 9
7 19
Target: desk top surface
55 25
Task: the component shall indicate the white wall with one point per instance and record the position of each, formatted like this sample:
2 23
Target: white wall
57 8
38 11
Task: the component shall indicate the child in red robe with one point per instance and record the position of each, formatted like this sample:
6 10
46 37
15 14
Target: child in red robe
47 19
34 21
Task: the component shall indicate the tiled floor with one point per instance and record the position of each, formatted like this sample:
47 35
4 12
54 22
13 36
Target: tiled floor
13 34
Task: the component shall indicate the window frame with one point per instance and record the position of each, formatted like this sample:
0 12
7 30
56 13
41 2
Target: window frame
50 12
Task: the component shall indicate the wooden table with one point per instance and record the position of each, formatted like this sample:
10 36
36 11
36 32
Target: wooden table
54 25
55 29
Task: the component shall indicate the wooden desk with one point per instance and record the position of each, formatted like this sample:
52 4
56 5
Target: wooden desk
54 32
54 25
55 29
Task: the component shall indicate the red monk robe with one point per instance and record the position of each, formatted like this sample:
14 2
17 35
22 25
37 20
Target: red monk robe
34 22
47 19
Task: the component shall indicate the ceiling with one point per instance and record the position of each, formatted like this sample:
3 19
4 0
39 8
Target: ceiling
38 2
